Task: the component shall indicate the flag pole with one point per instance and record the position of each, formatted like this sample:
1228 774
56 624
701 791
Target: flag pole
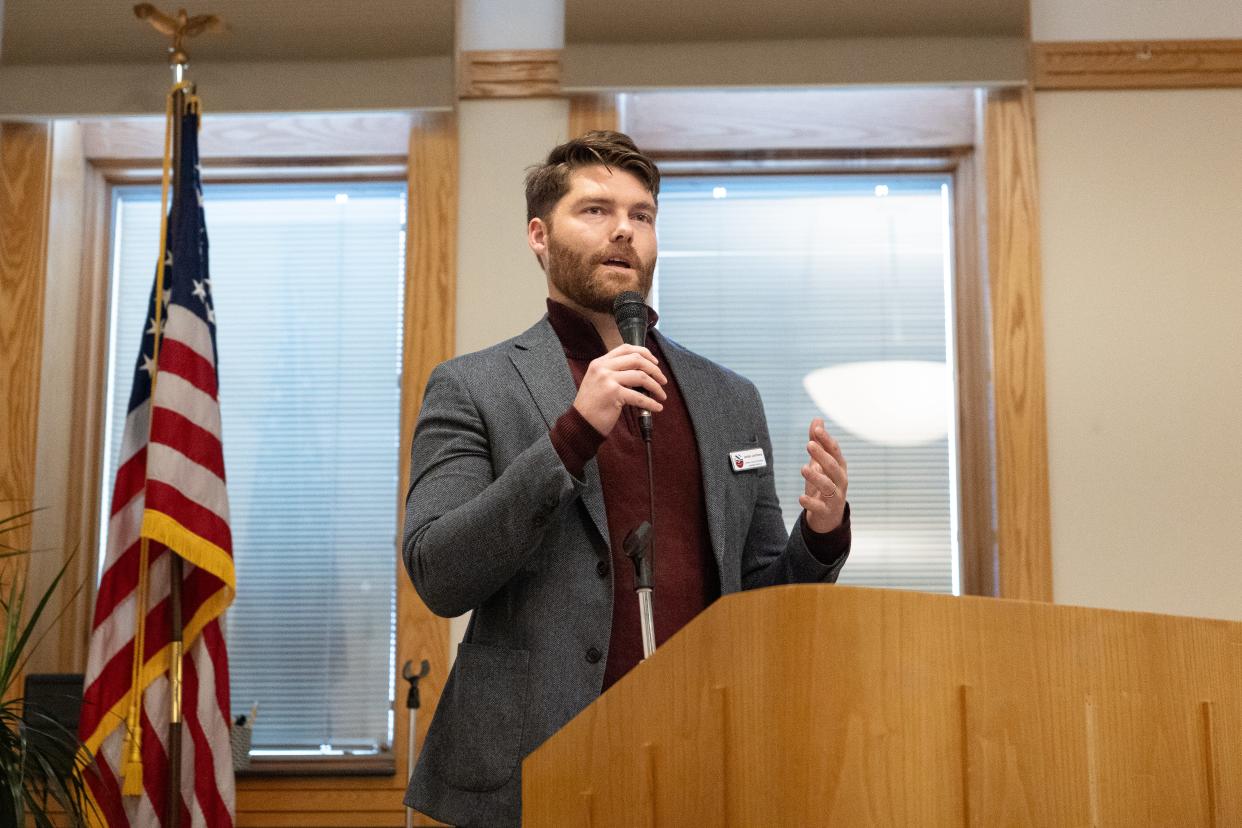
181 98
179 62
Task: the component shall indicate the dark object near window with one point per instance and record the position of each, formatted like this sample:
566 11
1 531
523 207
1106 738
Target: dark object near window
51 707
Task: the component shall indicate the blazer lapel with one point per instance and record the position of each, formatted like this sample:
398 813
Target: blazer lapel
709 420
540 360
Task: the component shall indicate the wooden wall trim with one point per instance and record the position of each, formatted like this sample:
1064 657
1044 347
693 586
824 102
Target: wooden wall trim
1023 520
588 112
509 73
25 169
1137 64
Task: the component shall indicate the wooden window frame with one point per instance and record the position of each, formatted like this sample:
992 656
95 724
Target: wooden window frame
977 535
422 150
1005 531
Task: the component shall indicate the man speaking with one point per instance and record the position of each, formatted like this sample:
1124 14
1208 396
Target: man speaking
529 474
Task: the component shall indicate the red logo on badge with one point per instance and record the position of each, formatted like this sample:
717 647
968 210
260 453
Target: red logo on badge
737 461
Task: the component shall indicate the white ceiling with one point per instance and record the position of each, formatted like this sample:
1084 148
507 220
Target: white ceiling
59 32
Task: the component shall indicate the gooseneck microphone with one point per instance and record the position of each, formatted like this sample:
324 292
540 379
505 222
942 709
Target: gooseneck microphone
630 311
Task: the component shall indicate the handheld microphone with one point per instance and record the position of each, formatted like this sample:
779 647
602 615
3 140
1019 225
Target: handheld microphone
630 312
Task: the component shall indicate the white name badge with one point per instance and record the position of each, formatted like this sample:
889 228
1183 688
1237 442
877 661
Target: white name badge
747 459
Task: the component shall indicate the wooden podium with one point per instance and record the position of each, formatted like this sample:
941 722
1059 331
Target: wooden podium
827 705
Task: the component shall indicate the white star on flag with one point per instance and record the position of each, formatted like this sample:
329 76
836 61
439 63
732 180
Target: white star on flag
148 365
199 290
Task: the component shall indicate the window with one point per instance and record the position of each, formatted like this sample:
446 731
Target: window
307 281
832 294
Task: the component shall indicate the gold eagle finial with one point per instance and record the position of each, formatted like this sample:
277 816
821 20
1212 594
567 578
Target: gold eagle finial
179 28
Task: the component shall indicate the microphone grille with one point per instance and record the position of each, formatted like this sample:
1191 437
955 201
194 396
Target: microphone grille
629 305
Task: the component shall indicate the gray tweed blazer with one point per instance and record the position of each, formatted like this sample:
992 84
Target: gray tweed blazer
495 524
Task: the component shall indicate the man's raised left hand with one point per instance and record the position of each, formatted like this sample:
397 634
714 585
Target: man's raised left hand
826 480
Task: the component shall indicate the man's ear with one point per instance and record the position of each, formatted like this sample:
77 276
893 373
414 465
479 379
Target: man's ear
537 238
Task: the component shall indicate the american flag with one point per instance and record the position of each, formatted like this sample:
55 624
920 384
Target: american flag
170 491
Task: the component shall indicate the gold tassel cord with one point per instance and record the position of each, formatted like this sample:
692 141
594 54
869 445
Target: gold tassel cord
132 772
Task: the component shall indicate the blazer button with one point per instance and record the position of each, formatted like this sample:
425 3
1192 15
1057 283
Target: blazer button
593 655
601 569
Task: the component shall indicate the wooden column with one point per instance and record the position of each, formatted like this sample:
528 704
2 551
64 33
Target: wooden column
1023 522
25 158
430 338
588 112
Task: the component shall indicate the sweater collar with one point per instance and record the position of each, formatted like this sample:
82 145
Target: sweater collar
578 336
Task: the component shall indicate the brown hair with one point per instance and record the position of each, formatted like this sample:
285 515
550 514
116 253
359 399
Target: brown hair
547 183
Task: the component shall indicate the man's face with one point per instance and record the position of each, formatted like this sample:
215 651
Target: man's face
599 239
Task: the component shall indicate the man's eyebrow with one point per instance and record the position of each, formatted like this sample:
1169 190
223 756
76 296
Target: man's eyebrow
582 201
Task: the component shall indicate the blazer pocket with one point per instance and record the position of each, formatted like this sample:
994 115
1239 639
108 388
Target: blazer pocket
479 738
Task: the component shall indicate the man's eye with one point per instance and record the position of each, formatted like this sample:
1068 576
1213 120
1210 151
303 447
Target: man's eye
647 217
595 211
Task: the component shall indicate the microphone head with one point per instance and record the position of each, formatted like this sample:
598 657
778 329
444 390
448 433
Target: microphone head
630 311
629 304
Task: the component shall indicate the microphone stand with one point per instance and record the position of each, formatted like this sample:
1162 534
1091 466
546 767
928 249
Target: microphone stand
630 312
645 612
640 548
637 546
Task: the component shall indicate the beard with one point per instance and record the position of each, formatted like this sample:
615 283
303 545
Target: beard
581 279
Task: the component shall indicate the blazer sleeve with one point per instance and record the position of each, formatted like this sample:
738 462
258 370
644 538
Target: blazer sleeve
772 555
468 530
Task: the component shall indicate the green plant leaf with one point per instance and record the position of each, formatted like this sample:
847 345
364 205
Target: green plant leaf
16 657
43 765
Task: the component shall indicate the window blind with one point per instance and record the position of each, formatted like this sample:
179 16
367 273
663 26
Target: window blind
782 276
307 281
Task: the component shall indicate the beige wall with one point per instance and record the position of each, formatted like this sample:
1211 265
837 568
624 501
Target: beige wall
1142 245
1142 240
500 287
1135 19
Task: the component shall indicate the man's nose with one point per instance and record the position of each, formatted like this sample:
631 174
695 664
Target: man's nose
623 231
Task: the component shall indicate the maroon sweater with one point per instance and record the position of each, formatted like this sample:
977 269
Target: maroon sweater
685 575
